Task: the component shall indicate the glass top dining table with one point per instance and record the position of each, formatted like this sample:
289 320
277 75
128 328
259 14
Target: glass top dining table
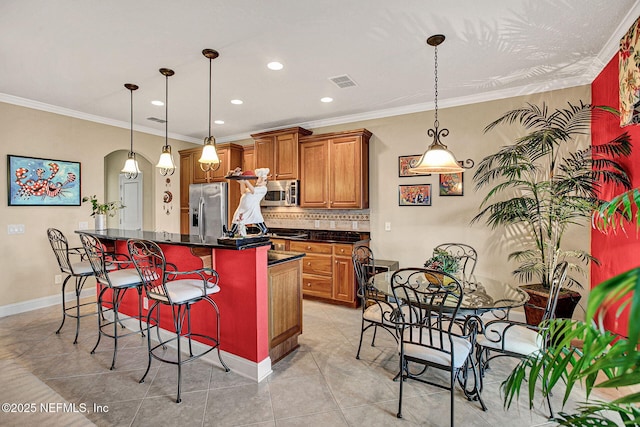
480 294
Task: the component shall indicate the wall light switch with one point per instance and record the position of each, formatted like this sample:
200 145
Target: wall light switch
316 223
354 225
83 225
15 229
387 226
332 224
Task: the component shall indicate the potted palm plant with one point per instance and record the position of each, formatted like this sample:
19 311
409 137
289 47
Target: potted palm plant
605 360
542 184
100 210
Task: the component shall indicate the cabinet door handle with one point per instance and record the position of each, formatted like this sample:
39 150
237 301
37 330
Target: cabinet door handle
308 285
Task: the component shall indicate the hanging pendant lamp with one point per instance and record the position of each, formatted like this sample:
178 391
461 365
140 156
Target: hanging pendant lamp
209 161
166 164
130 168
437 158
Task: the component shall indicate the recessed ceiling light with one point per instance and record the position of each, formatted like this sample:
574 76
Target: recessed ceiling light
158 103
326 99
236 101
275 65
218 122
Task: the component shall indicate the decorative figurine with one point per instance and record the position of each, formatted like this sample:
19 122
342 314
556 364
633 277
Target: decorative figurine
248 211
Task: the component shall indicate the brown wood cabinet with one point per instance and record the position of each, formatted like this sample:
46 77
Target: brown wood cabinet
327 271
190 173
278 151
248 158
334 170
285 308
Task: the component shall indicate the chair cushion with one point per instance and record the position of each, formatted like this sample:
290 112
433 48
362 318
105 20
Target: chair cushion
461 347
518 339
183 290
373 313
124 278
80 268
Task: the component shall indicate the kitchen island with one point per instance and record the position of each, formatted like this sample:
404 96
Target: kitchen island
247 294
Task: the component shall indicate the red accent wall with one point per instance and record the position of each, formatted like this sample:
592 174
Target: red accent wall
616 252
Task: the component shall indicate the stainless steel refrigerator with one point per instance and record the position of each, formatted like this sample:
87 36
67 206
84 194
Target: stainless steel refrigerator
207 209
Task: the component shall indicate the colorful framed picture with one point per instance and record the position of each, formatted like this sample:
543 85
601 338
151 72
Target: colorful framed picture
451 184
33 181
406 162
414 195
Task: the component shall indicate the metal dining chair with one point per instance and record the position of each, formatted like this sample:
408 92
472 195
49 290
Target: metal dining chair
467 256
179 290
116 274
375 309
505 337
432 334
73 263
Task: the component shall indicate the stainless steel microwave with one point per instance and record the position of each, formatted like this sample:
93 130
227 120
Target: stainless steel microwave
281 193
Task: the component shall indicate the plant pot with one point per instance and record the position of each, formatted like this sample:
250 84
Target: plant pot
100 222
538 297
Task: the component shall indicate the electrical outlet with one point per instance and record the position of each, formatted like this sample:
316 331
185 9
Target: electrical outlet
316 223
145 303
354 225
387 226
83 225
57 279
332 224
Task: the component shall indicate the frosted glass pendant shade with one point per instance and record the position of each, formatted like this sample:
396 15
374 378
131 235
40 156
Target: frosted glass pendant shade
131 166
166 164
437 159
209 158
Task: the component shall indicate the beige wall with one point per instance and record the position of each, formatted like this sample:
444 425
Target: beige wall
29 265
26 260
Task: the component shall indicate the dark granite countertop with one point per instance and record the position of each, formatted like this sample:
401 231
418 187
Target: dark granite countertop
167 238
328 236
279 257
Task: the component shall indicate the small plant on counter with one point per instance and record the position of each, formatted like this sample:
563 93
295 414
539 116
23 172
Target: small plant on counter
443 261
98 208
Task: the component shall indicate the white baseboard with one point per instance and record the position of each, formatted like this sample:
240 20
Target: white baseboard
48 301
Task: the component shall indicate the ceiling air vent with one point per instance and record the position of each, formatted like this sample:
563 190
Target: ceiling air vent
343 81
157 120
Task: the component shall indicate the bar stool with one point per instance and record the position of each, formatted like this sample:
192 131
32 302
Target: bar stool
164 288
79 270
114 272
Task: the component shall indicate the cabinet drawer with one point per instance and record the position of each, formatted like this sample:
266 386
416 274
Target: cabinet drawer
318 286
317 264
342 250
310 248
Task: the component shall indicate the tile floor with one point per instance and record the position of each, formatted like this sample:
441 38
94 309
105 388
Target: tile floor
320 384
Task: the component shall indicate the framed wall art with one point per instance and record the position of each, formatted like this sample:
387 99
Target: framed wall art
406 162
33 181
414 195
451 184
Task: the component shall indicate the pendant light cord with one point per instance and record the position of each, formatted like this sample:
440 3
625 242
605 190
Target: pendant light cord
210 60
166 111
131 139
435 71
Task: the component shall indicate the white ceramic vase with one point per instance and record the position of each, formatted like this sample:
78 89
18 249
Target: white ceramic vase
101 222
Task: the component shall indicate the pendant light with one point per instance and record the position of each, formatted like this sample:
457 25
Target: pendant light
437 158
130 168
209 161
166 164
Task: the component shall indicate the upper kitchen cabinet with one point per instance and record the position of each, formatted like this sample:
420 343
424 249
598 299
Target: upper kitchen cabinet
278 151
248 158
334 170
190 173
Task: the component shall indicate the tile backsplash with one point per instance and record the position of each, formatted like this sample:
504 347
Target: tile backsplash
292 217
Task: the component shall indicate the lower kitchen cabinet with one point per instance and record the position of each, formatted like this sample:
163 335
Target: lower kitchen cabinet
327 271
285 308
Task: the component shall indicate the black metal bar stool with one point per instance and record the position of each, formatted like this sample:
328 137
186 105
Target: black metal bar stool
79 270
114 272
164 288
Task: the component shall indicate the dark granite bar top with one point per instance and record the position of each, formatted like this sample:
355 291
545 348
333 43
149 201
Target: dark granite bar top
168 238
279 257
329 236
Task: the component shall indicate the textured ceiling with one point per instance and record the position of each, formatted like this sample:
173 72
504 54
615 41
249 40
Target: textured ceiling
73 57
